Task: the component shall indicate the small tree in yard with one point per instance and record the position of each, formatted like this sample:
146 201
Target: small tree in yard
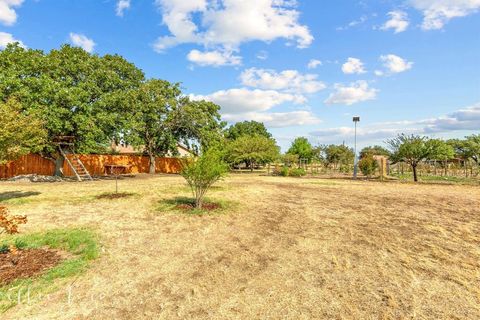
201 173
411 150
368 165
20 132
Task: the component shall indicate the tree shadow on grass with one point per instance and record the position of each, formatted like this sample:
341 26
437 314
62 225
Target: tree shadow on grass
115 195
187 205
4 196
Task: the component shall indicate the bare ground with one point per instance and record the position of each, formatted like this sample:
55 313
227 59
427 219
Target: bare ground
285 249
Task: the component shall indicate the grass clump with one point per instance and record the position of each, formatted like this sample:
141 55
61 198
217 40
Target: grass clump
81 244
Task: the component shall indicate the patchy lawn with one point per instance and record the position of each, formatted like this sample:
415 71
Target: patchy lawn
283 248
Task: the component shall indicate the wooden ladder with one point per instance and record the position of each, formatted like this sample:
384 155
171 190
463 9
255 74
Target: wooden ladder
76 165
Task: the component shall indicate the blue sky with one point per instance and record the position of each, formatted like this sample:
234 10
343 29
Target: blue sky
303 67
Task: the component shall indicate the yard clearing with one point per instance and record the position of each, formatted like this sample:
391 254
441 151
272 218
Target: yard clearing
283 248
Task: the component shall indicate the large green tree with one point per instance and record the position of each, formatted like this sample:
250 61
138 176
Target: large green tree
247 128
161 117
20 132
252 150
76 93
338 155
411 149
301 147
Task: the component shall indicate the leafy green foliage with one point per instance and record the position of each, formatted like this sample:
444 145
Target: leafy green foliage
439 150
297 172
340 156
252 150
76 93
368 165
301 147
201 173
162 116
375 151
20 132
411 149
291 172
247 128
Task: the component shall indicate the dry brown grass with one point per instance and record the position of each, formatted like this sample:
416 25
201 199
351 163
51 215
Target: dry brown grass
289 249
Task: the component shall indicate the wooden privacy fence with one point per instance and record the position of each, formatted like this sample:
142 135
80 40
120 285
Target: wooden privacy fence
94 163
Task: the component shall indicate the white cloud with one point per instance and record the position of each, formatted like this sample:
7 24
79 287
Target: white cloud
287 80
8 16
436 13
122 5
465 119
82 41
276 119
314 63
395 64
262 55
213 58
353 65
229 23
6 38
354 23
358 91
398 21
242 100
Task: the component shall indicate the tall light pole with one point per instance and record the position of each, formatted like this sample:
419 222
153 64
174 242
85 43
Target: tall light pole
355 162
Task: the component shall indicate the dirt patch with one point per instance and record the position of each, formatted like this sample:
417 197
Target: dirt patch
206 206
26 263
115 195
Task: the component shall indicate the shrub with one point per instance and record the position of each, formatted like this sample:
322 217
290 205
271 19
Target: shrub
368 165
284 172
9 223
201 173
297 172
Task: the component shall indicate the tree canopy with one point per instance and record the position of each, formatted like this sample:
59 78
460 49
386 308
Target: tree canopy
411 149
247 128
252 150
76 93
301 147
20 132
375 151
162 116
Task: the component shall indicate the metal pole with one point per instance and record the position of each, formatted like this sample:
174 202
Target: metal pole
355 151
355 161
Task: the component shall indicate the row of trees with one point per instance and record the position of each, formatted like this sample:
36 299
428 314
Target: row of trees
414 149
97 100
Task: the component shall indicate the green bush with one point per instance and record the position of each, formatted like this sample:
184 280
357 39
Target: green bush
368 165
284 172
297 172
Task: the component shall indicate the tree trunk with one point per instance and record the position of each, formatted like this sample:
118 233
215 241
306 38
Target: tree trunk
251 166
414 168
59 161
198 198
152 164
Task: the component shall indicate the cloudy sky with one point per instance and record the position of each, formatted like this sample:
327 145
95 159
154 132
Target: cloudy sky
303 67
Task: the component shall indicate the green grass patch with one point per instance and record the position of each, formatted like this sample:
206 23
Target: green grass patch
82 244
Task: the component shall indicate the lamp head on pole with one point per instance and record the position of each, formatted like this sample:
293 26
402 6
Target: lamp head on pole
356 119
